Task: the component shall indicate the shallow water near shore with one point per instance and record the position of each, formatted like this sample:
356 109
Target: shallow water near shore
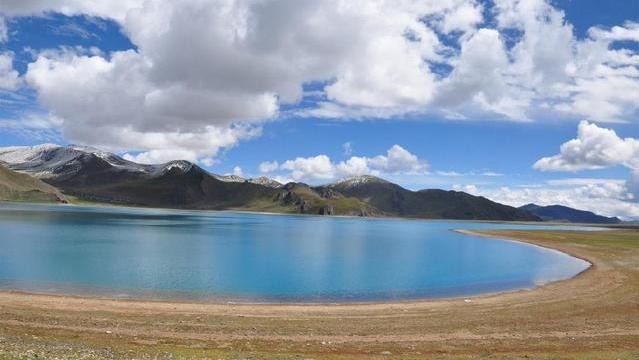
207 255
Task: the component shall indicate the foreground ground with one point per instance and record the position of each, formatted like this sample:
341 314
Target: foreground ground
593 316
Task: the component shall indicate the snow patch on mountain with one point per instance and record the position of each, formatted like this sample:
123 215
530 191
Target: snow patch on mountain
21 154
181 165
359 180
229 178
265 181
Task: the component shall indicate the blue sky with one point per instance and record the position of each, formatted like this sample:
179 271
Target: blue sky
457 130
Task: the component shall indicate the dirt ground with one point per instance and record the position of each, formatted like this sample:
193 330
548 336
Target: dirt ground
592 316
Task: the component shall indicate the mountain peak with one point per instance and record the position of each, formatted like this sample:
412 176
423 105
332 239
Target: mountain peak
181 165
266 181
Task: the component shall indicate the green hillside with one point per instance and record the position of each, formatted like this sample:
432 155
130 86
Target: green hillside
15 186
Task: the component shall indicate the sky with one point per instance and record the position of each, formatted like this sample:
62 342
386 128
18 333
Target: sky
517 100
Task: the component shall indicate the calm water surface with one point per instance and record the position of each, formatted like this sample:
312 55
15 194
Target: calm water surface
123 252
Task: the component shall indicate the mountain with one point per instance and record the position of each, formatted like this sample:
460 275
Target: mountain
394 200
97 176
561 213
15 186
92 175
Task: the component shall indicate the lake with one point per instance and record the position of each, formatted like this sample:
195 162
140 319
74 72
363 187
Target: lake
231 256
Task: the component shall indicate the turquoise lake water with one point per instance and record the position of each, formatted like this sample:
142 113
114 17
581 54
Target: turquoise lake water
140 253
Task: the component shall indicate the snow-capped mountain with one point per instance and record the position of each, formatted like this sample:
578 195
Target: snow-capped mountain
229 178
265 181
53 161
50 160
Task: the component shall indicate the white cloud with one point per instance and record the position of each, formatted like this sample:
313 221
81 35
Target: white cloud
318 168
237 171
479 76
582 181
594 148
398 160
4 30
269 166
491 174
609 198
347 148
463 18
9 77
244 59
102 8
628 32
448 173
468 188
161 156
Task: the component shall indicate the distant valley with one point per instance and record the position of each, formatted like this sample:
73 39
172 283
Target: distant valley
91 175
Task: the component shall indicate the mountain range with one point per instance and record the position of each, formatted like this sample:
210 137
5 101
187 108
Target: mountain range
89 174
559 213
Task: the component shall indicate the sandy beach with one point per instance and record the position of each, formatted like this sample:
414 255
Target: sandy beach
594 315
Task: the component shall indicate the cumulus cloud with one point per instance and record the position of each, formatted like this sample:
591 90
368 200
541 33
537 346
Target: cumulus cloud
203 67
397 160
9 77
607 197
463 18
594 148
237 171
318 168
4 30
268 166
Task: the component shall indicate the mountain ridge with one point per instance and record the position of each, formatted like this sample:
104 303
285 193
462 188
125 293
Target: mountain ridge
93 175
561 213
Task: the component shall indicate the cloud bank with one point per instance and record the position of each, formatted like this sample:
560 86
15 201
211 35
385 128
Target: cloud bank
206 74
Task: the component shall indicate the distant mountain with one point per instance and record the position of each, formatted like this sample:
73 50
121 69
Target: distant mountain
263 180
566 214
93 175
394 200
15 186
